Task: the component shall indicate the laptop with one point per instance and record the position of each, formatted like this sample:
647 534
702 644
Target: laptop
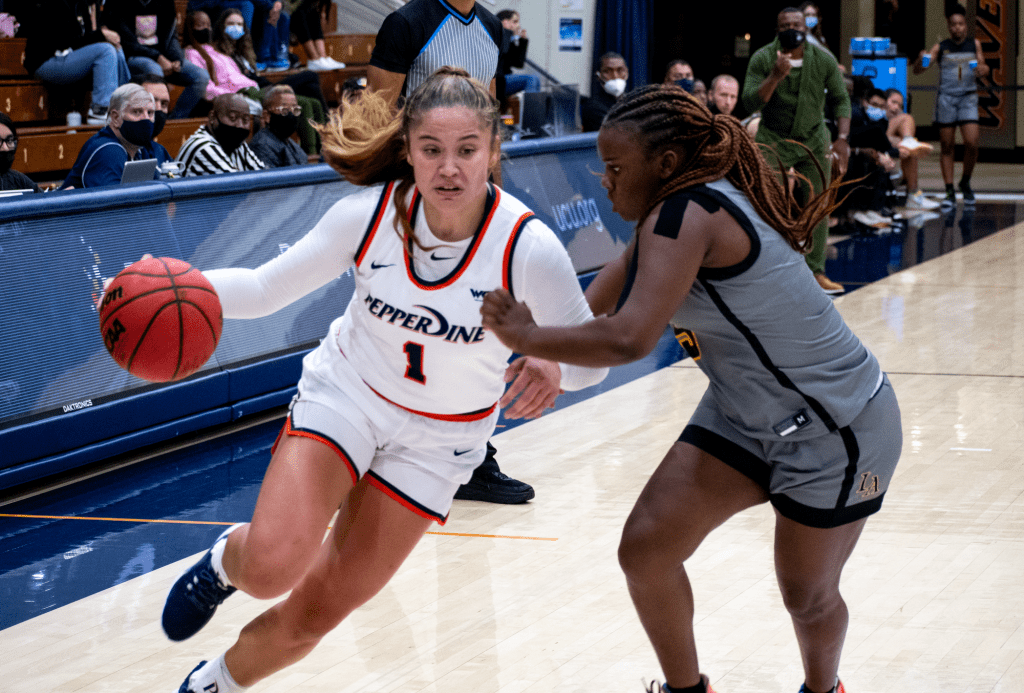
138 171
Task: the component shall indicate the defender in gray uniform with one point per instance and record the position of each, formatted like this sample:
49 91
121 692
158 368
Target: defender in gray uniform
797 412
960 64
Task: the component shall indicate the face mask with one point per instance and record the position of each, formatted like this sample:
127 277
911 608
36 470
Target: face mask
230 137
202 35
137 132
796 63
234 31
7 160
811 21
615 87
160 119
874 112
685 84
283 126
791 39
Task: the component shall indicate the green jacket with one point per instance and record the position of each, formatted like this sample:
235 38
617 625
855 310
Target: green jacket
796 109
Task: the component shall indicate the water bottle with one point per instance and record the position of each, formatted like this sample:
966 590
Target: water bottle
74 120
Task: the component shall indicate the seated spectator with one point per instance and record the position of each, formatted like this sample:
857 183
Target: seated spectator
676 71
612 73
872 159
66 45
308 30
157 87
510 83
902 131
273 144
263 19
700 91
149 37
219 146
9 178
129 130
725 92
234 71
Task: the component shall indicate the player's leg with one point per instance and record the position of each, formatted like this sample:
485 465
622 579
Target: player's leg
690 494
808 565
373 536
971 135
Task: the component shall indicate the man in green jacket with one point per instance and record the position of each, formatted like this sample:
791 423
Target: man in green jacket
789 81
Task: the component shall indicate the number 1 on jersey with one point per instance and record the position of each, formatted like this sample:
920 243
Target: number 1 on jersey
414 368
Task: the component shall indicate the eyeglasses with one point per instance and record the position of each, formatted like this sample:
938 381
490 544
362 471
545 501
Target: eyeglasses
11 142
284 110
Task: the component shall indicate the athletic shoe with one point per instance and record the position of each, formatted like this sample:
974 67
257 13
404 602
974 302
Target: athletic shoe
918 201
655 687
965 188
873 219
97 115
828 286
914 146
185 685
332 63
838 688
490 485
318 65
949 201
278 66
260 67
194 597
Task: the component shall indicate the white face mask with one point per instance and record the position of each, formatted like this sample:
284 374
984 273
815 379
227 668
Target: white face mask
615 87
796 63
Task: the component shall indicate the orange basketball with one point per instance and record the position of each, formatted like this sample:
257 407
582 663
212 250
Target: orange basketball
160 319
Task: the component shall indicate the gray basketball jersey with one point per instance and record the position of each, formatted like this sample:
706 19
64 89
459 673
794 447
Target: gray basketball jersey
955 74
781 360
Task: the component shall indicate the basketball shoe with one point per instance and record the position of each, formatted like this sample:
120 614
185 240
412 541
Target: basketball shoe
838 688
195 596
188 679
655 687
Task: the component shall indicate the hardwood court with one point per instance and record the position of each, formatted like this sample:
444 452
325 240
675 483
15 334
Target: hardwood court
934 588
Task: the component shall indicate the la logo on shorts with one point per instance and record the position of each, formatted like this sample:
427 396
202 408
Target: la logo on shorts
868 485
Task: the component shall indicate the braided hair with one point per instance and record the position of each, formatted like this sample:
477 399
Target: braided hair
713 147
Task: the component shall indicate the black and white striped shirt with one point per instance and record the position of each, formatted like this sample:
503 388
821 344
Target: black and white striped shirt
424 35
203 156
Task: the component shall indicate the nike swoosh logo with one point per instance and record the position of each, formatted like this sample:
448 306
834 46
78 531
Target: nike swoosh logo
374 265
433 256
462 452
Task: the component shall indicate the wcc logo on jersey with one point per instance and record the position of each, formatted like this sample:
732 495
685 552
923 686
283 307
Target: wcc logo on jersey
428 321
688 340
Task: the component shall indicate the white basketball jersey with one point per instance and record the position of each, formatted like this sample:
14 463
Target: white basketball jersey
421 344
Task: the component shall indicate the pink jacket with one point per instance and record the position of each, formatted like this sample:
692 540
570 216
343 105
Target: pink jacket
229 78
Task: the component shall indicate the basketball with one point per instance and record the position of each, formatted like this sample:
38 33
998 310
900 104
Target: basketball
160 319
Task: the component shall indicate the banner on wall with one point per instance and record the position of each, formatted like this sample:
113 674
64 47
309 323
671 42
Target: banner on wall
996 29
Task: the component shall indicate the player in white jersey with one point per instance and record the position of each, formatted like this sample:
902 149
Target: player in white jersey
797 412
396 405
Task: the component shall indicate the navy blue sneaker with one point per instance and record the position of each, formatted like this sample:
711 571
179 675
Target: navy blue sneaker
185 685
194 598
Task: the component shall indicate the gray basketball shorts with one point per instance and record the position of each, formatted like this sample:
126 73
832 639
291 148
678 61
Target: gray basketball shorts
955 109
828 481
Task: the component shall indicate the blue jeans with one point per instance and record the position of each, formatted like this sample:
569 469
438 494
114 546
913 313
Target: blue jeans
192 77
105 63
273 40
528 84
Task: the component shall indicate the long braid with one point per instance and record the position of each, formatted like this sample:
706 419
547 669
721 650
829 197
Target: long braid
717 146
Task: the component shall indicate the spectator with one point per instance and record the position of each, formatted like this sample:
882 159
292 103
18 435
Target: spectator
9 178
700 91
219 146
612 74
789 81
960 63
902 131
262 19
413 42
725 91
149 37
677 71
812 18
423 35
66 45
872 158
232 62
306 25
128 132
510 83
157 88
273 143
214 8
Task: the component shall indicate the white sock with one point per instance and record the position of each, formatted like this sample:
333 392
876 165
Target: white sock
214 677
217 554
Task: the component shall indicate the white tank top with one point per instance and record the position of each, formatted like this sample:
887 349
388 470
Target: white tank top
403 333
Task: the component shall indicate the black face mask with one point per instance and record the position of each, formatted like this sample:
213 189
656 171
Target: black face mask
159 120
230 137
202 36
685 84
138 132
283 126
791 39
7 160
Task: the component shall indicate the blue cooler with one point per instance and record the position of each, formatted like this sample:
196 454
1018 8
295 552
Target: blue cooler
885 72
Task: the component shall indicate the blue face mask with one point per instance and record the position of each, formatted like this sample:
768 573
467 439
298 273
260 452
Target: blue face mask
874 112
234 31
686 84
811 21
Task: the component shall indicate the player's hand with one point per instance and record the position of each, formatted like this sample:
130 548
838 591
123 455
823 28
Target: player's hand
841 149
536 384
108 280
510 321
782 65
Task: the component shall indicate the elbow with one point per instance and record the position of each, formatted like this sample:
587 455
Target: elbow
629 348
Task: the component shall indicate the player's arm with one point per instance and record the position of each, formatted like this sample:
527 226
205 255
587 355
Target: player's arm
606 288
667 268
387 83
933 55
983 69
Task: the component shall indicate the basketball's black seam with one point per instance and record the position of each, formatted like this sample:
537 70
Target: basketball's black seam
199 309
143 295
181 321
142 337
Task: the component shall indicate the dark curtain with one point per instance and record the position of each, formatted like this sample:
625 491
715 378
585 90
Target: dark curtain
625 26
